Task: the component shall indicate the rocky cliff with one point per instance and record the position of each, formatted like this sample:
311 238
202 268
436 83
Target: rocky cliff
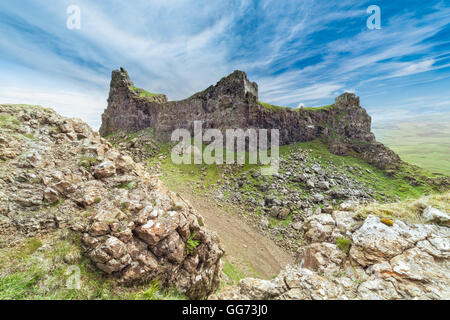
233 103
57 173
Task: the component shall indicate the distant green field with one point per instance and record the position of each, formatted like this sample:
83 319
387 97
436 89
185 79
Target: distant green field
424 142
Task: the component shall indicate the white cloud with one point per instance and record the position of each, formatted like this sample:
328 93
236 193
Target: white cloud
414 67
66 103
178 47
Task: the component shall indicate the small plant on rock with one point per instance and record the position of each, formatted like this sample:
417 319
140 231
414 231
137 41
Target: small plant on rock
191 244
87 162
343 244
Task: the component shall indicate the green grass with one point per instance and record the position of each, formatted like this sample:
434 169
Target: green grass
425 143
319 108
408 182
9 122
192 244
128 185
87 162
387 185
233 274
394 185
343 244
272 107
145 94
32 271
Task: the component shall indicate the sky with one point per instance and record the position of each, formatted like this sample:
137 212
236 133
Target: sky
299 52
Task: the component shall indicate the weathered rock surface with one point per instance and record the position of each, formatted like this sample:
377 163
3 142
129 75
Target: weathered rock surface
431 214
402 261
59 173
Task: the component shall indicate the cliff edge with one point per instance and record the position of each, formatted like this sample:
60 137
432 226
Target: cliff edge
233 103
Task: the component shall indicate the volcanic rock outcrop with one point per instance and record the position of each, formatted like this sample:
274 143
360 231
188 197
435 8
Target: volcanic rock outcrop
347 257
233 103
58 173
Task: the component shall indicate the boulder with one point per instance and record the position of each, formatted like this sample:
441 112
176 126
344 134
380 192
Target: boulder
431 214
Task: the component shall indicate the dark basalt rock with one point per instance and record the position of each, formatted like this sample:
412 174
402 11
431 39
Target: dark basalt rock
233 103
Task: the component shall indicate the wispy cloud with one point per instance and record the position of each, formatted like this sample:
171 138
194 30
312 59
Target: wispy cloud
299 52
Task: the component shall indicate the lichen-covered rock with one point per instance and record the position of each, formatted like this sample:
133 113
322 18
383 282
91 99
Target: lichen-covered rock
431 214
375 241
325 258
133 228
402 261
319 227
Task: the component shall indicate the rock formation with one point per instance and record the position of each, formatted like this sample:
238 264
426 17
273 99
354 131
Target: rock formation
350 258
59 173
233 103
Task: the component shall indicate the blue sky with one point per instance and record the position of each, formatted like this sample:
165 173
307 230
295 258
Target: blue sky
298 51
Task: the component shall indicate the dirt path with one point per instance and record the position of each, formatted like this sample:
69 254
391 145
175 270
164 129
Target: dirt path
246 249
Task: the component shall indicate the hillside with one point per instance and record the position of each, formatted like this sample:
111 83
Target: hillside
369 235
66 193
343 218
422 140
310 179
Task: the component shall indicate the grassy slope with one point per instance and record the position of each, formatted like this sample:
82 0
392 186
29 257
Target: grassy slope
425 144
145 94
204 176
410 210
38 269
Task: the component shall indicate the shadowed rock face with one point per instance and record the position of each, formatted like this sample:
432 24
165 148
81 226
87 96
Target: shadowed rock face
233 103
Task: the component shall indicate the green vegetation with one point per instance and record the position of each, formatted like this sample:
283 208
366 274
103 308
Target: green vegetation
145 94
275 108
397 184
192 244
128 185
343 244
87 162
424 142
330 106
274 222
40 269
407 182
153 288
271 106
234 275
8 122
57 202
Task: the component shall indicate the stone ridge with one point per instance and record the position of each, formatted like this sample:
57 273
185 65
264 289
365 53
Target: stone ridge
233 103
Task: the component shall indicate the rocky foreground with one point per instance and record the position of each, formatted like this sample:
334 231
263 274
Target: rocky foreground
58 173
350 257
